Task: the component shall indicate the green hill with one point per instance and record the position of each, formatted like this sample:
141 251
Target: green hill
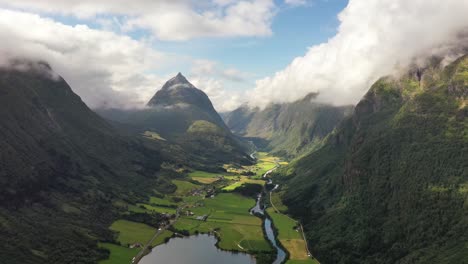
390 184
61 166
174 110
288 129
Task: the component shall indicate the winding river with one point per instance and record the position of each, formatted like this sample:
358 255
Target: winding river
201 249
267 224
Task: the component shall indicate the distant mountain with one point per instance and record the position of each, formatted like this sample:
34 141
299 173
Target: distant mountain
61 166
390 185
174 111
288 129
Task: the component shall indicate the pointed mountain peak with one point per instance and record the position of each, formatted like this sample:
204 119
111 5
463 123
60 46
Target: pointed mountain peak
179 90
178 81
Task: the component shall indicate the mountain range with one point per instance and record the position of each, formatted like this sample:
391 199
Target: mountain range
288 129
390 184
384 182
61 163
184 115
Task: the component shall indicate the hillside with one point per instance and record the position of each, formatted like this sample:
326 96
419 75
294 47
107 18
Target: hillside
391 184
288 129
61 166
173 111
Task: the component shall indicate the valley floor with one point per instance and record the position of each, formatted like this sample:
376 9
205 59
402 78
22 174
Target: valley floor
207 202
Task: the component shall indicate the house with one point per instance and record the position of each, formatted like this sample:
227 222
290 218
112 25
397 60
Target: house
202 218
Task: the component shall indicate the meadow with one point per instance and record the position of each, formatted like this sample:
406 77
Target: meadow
118 254
229 218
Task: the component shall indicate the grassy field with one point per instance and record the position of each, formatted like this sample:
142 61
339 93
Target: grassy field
291 239
228 215
161 239
132 232
184 187
118 254
159 201
264 164
158 209
205 174
241 180
204 180
276 200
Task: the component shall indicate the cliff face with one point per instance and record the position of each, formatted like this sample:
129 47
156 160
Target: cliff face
389 186
290 129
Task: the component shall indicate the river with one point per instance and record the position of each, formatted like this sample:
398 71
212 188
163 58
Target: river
258 209
201 249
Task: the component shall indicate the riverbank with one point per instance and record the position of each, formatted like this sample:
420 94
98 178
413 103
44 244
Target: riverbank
289 233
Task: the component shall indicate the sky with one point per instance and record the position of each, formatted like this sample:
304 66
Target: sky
118 53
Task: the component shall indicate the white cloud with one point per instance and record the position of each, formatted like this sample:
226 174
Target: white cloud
374 39
169 19
214 69
213 79
223 99
296 2
102 67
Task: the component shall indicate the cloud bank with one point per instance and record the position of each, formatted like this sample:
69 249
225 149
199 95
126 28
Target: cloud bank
175 20
374 39
102 67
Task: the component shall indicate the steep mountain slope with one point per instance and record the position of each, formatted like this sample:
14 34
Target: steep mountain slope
290 129
391 184
61 165
173 112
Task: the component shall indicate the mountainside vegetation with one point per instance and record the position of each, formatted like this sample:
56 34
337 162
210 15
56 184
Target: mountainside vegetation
288 129
61 168
174 112
390 185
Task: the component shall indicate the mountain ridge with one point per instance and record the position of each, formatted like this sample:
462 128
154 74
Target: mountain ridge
388 185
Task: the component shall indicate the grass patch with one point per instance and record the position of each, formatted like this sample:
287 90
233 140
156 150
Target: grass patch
291 239
132 232
161 239
204 180
184 187
118 254
159 201
278 202
240 181
228 215
158 209
204 174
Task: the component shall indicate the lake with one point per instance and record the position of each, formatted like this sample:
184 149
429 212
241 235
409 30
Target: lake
198 249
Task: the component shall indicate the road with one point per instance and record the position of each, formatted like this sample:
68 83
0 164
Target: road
147 246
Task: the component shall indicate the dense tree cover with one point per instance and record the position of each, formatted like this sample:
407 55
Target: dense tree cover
390 185
288 129
61 169
185 117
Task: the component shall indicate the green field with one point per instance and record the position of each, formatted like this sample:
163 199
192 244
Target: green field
132 232
240 181
158 209
228 215
264 164
204 174
184 187
118 254
291 239
159 201
277 201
